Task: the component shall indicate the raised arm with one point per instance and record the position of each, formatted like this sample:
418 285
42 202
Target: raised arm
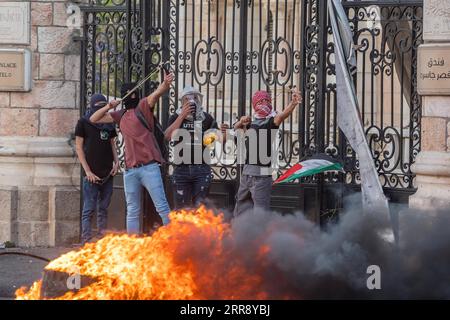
102 115
296 100
153 98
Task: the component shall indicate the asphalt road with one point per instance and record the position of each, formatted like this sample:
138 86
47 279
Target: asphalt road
18 271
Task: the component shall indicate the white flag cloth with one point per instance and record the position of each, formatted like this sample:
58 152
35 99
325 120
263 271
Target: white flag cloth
348 117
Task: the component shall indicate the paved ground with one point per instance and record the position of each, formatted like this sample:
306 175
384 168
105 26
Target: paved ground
17 271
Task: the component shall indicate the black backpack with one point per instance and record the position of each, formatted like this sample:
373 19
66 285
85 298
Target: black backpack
158 132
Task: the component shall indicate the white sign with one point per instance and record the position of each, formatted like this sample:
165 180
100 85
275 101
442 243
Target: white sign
15 22
436 20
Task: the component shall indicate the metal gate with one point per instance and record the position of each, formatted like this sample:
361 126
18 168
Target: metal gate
231 48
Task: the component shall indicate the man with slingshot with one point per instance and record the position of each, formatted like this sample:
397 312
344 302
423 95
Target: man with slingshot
143 156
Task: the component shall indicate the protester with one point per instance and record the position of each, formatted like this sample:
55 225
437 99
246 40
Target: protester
143 156
95 146
191 178
256 178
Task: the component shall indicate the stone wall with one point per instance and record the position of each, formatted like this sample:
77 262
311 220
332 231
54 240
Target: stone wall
51 108
433 162
39 175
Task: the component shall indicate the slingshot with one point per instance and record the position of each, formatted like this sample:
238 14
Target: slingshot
164 66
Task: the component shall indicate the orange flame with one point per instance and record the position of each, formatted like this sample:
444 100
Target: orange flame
191 258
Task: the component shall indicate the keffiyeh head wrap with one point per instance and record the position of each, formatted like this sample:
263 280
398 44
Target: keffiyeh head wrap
262 110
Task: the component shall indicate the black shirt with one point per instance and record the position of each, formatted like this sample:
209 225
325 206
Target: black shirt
97 147
207 124
260 135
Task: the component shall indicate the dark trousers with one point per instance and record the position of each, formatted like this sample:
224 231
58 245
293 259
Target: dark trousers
190 185
96 198
253 194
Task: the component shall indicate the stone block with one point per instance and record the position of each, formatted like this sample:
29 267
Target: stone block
47 94
65 204
35 66
4 99
5 232
18 122
34 39
56 40
33 234
436 106
15 171
432 171
57 122
72 67
24 234
77 96
60 14
66 233
41 234
8 204
33 204
434 136
51 66
41 13
56 172
8 213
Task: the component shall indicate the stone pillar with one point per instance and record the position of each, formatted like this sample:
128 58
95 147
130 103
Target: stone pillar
39 176
432 165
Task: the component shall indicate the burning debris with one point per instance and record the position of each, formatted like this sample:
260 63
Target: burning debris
261 256
189 259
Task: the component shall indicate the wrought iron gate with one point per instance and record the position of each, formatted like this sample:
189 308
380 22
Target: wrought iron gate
230 48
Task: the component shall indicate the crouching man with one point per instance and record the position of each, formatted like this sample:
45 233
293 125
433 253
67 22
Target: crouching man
143 156
95 146
256 179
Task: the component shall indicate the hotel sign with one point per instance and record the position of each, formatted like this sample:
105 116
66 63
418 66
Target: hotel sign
15 70
433 74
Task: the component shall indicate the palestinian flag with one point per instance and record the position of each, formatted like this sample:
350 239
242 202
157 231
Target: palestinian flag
318 164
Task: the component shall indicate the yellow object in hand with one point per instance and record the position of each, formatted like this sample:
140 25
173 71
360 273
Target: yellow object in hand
209 139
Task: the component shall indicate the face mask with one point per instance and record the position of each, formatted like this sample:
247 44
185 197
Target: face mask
194 100
131 101
263 111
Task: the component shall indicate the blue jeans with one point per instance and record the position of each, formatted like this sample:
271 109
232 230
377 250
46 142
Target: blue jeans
95 198
148 176
191 184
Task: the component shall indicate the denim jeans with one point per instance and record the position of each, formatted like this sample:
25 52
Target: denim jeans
190 184
95 198
148 176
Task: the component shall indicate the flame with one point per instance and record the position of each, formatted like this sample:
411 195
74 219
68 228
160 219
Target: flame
191 258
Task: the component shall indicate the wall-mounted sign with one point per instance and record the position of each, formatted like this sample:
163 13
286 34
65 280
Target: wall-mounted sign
15 70
433 72
436 20
15 22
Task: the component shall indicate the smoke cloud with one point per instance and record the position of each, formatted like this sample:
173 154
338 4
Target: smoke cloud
305 262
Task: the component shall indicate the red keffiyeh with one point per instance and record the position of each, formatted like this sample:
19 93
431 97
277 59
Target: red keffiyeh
262 111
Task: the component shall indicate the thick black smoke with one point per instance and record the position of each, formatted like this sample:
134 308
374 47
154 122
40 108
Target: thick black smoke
309 263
